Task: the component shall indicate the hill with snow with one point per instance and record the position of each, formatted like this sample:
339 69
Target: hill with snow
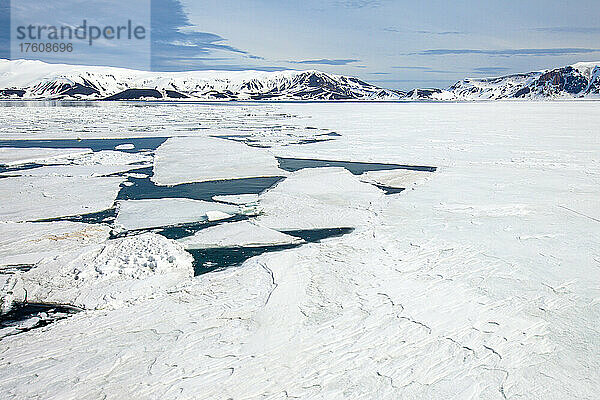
38 80
581 80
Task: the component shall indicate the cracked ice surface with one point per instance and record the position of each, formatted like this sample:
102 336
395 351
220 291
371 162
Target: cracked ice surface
199 159
234 234
111 274
28 242
150 213
482 283
318 198
16 156
31 198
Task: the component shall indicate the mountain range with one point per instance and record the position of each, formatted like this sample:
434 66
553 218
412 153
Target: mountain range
28 79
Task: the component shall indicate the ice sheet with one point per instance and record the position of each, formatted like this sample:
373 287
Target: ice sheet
237 234
199 159
28 243
32 198
139 214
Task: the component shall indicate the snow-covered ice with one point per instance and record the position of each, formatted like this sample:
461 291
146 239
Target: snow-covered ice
482 283
15 156
318 198
29 242
396 178
111 274
150 213
240 199
199 159
237 234
32 198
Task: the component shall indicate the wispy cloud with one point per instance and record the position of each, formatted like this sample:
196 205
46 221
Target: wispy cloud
424 32
176 45
507 52
568 29
326 61
426 69
490 70
358 3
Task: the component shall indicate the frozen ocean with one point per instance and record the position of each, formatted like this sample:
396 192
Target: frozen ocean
272 250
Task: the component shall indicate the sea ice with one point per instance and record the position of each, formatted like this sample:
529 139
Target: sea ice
29 242
317 198
240 199
32 198
109 274
12 156
125 146
150 213
237 234
199 159
73 170
396 178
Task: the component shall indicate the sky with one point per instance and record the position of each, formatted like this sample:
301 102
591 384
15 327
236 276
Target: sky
392 43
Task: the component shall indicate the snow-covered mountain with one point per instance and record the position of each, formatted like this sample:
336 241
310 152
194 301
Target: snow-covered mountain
38 80
581 80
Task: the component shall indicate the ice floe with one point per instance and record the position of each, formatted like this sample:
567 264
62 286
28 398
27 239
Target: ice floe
27 243
237 234
109 274
139 214
396 178
317 198
240 199
73 170
110 157
32 198
198 159
12 156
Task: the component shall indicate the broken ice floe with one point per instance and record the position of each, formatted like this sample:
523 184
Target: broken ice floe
141 214
317 198
198 159
237 234
109 274
237 198
10 156
27 243
33 198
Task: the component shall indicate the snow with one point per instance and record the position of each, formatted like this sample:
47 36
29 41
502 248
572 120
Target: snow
73 170
150 213
125 146
240 199
110 157
481 283
199 159
237 234
29 242
314 198
32 198
110 275
11 291
396 178
13 156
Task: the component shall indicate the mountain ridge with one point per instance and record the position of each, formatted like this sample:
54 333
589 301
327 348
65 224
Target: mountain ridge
30 79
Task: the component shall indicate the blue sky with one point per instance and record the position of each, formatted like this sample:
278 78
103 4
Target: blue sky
393 43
